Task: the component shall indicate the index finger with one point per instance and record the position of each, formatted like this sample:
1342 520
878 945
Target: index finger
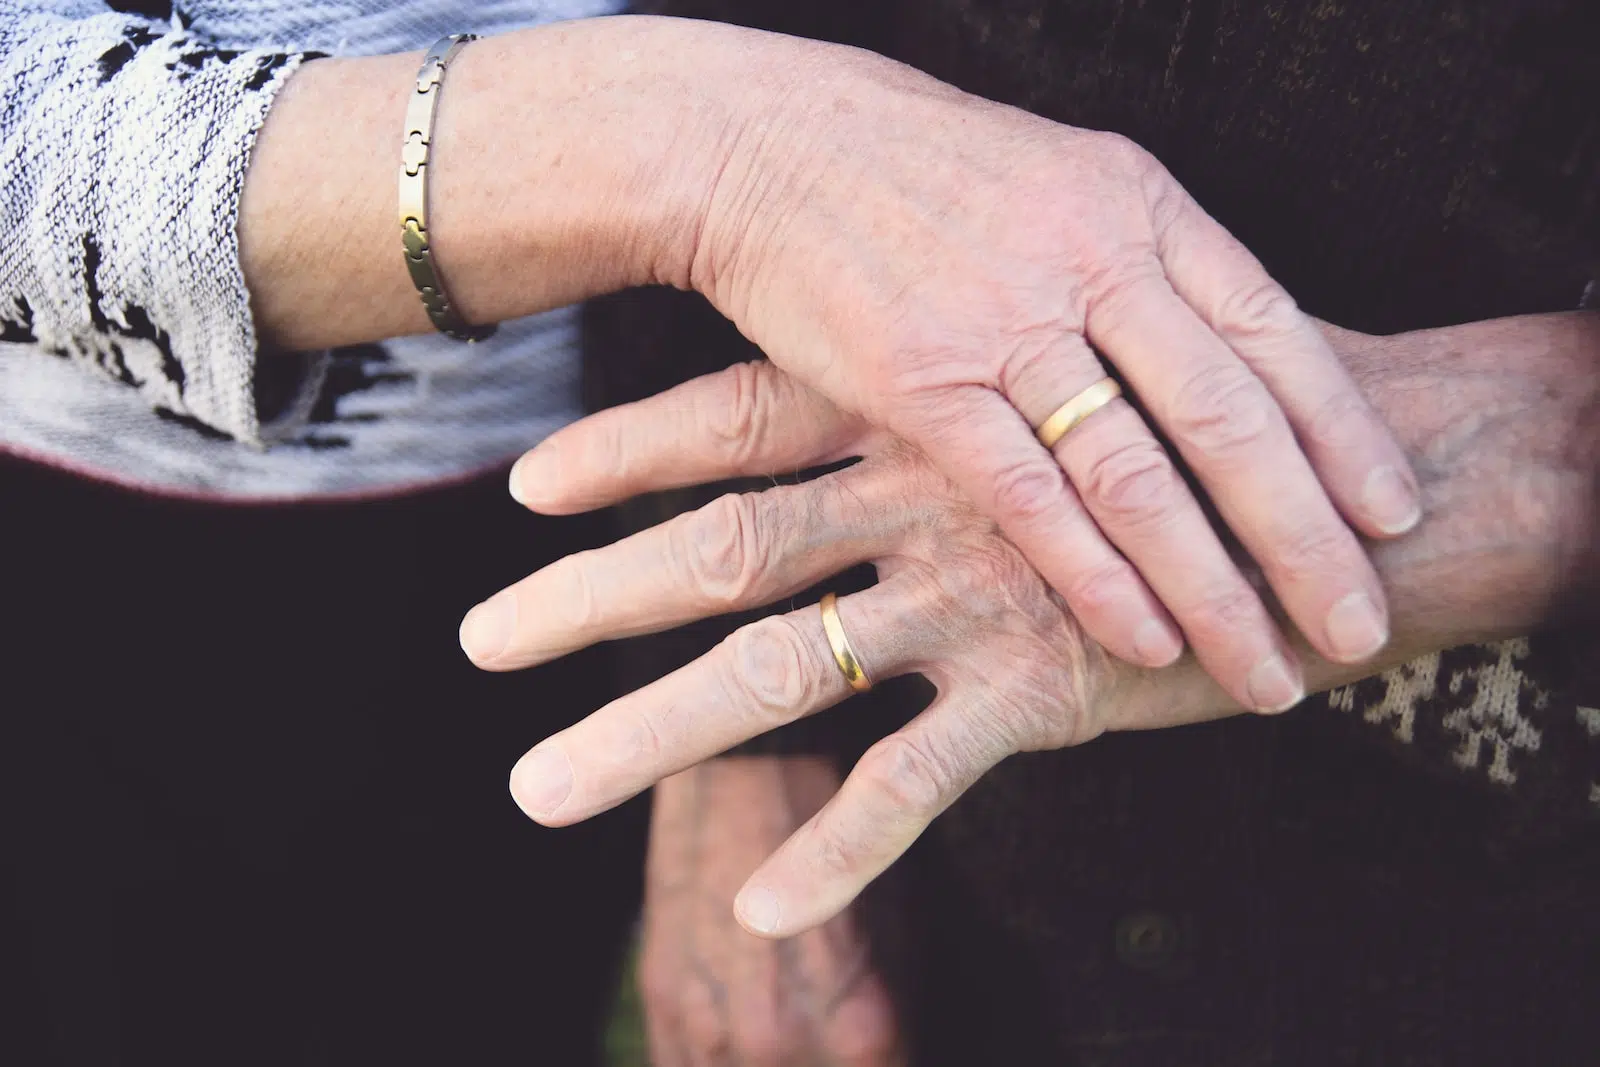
749 419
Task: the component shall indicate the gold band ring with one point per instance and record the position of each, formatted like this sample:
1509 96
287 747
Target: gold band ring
845 656
1074 411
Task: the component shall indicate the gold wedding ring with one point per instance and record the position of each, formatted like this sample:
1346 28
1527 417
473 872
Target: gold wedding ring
1074 411
845 656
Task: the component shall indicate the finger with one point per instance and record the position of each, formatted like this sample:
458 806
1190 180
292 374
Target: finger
659 988
1135 493
1235 438
861 1030
740 551
764 675
1350 446
749 419
665 1040
766 1031
980 441
706 1028
896 790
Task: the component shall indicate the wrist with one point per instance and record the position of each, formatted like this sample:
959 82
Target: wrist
797 164
1499 420
1500 415
568 161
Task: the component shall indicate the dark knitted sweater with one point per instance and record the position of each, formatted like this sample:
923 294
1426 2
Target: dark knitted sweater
1408 870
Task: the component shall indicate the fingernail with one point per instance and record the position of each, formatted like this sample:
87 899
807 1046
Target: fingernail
1391 501
518 470
759 910
1156 643
1274 685
531 471
541 782
1355 629
486 631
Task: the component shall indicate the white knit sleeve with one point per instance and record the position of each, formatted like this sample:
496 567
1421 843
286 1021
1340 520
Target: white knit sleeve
123 145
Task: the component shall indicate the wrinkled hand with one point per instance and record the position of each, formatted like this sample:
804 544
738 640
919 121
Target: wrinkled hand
716 996
942 265
955 601
1500 416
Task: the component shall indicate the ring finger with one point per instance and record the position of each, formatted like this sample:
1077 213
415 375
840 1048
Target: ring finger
762 676
1132 488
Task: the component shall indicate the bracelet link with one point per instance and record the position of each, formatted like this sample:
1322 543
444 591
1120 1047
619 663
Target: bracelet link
413 193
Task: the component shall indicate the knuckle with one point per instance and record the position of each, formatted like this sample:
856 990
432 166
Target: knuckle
1099 588
606 452
575 592
1030 367
772 666
1221 411
641 740
836 858
1225 614
1120 287
1259 308
964 583
719 547
1029 490
1341 420
1135 484
906 777
736 419
1127 154
1323 548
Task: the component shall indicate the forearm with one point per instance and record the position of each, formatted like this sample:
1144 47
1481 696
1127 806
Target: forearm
568 161
1502 422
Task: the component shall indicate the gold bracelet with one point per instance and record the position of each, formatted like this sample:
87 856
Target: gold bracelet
414 192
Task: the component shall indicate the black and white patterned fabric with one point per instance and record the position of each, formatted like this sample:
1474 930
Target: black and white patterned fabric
127 350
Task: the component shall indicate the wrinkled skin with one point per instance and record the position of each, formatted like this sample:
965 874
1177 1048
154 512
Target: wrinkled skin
948 268
955 601
1499 415
951 269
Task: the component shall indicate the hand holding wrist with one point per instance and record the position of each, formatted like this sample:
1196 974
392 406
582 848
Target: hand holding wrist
1498 429
1499 419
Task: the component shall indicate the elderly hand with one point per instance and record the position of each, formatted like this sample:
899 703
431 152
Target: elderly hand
955 601
1500 415
716 996
942 265
949 268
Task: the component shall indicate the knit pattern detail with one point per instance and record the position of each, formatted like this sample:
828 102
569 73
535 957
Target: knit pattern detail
1519 716
124 148
127 350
